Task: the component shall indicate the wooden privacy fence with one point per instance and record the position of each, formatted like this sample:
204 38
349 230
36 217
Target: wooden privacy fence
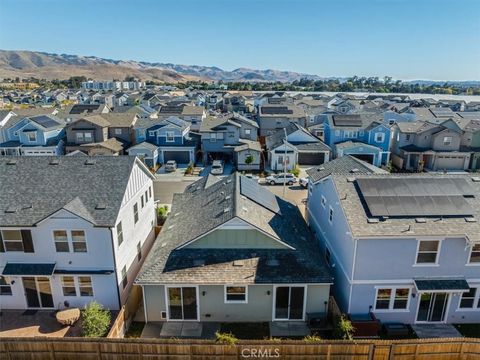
126 314
123 349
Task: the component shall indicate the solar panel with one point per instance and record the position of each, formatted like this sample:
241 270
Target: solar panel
347 120
171 109
401 197
79 109
44 121
283 110
256 193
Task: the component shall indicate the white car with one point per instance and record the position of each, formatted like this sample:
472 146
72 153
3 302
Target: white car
217 167
171 165
290 179
303 182
253 177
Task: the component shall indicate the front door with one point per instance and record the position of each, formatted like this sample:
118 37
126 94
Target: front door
289 302
182 303
432 307
38 292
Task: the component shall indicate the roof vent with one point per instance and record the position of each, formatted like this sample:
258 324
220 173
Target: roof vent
54 162
244 208
273 262
354 171
321 168
170 227
420 220
470 219
10 210
229 181
238 263
101 206
350 179
89 162
226 210
373 221
227 197
11 162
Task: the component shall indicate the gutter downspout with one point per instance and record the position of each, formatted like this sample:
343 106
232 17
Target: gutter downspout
115 269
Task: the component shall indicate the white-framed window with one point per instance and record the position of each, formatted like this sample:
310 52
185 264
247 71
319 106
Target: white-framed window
360 133
427 252
139 251
135 213
146 196
151 133
32 136
323 201
119 233
379 137
150 191
79 242
469 299
330 215
337 132
350 134
60 238
118 131
392 299
5 287
85 286
142 201
447 140
124 277
474 254
236 294
88 136
170 136
220 136
280 159
12 240
68 286
213 137
248 131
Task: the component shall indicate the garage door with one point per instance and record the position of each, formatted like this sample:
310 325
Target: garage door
305 158
365 157
449 162
181 157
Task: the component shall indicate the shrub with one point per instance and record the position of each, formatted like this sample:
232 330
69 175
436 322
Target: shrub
248 159
95 320
189 170
312 338
162 212
225 338
295 171
344 328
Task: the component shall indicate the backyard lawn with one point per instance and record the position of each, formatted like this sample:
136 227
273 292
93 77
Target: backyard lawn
248 331
469 330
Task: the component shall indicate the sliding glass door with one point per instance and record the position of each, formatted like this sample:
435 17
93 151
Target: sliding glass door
432 307
182 303
289 302
38 292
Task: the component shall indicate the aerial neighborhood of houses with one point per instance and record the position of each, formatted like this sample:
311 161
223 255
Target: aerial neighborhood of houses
217 207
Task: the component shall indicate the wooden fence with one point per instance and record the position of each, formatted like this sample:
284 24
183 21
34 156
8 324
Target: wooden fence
126 314
123 349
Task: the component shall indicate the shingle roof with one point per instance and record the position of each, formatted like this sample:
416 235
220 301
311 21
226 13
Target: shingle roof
202 209
36 188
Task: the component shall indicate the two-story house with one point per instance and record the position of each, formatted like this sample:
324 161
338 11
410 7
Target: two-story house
233 251
364 136
72 230
275 117
222 134
404 247
34 135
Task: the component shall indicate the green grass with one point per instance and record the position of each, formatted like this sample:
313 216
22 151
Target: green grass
469 330
248 331
135 329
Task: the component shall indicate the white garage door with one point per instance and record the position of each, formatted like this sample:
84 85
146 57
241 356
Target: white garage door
449 163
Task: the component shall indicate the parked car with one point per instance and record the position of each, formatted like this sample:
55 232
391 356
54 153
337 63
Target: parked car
290 179
303 182
253 177
171 165
217 167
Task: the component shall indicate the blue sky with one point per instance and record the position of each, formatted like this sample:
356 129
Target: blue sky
406 39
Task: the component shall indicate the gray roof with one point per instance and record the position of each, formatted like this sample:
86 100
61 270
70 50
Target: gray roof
343 165
35 187
203 208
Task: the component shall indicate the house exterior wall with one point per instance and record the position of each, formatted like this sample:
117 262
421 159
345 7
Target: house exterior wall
276 155
437 141
123 133
242 155
99 134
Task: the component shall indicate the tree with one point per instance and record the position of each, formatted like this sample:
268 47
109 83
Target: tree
95 320
249 159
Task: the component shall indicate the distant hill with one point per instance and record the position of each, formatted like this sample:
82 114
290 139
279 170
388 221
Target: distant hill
42 65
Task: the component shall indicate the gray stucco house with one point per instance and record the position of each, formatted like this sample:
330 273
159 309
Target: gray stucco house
232 251
405 247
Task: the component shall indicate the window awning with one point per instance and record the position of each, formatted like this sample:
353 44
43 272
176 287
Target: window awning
437 285
25 269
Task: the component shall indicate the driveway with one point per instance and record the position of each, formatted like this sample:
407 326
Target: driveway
227 170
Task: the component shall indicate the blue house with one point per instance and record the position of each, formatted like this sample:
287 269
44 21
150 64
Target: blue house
35 135
364 136
171 136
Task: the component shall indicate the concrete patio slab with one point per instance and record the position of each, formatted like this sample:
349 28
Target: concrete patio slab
191 330
171 329
428 331
288 329
151 330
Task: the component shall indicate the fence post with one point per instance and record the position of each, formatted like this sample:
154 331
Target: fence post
329 349
391 352
99 351
52 352
461 357
371 351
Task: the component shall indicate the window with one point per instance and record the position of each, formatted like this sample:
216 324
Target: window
139 251
350 134
119 233
323 201
146 196
280 159
475 254
468 299
392 299
151 133
118 131
236 294
124 277
12 240
135 213
213 137
447 140
68 286
248 131
407 137
61 241
427 251
330 215
142 201
5 288
328 256
78 241
170 136
85 285
379 137
337 132
32 136
150 191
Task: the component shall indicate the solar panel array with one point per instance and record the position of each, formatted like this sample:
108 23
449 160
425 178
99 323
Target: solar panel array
44 121
271 110
79 109
171 109
258 194
442 112
414 197
347 120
